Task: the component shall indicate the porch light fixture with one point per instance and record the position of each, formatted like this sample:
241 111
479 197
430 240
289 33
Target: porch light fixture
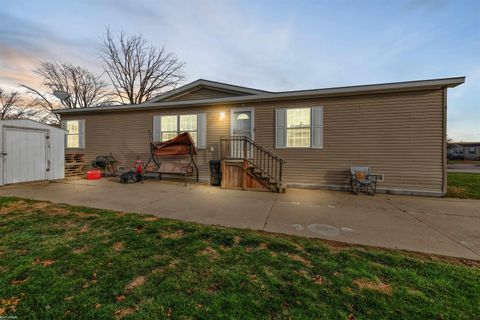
222 115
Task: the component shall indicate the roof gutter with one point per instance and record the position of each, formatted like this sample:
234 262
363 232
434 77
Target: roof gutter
288 95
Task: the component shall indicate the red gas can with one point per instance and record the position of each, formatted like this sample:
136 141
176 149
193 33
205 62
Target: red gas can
94 174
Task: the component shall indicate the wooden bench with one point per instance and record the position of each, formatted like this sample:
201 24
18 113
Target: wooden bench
175 156
180 166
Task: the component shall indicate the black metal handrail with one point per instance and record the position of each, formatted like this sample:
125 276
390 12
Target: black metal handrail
262 159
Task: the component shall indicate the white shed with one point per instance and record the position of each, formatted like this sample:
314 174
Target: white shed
30 151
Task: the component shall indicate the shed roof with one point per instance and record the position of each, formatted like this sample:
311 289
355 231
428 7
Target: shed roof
29 123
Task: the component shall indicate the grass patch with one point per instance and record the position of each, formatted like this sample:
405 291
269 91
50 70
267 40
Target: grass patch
129 266
463 185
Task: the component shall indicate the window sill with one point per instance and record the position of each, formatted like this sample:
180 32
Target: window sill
299 148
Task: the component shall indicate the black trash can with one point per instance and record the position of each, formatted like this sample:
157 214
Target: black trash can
215 173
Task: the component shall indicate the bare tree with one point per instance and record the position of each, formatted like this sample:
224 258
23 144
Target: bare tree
46 102
15 106
137 70
85 88
12 106
7 104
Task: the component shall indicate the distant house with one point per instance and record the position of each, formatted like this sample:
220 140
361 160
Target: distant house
464 150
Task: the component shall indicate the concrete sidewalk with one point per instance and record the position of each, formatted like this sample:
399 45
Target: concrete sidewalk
448 227
464 168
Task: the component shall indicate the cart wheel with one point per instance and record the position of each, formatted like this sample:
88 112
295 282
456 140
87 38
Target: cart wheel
370 190
355 189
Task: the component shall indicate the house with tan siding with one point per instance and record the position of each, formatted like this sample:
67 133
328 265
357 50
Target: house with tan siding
396 129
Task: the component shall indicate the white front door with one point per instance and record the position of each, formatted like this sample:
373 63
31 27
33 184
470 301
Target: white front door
241 124
24 155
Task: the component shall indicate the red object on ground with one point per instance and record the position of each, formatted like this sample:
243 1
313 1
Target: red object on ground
94 174
138 166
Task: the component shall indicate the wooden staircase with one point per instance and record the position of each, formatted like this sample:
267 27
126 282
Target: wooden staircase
260 168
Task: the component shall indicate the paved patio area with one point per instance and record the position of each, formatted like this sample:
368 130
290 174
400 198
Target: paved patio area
448 227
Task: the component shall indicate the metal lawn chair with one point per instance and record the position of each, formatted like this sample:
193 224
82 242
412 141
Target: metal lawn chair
362 179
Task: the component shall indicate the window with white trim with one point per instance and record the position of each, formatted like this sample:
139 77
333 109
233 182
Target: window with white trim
172 125
298 127
75 133
169 127
188 123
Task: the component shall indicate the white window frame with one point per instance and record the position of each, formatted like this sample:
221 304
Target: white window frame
80 133
296 128
162 131
196 121
177 132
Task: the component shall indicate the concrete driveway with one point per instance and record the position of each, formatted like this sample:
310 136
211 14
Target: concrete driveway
464 168
448 227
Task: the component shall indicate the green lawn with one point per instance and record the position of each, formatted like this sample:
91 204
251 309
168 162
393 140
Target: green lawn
63 262
463 185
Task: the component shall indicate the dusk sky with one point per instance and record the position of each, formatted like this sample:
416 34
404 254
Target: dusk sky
272 45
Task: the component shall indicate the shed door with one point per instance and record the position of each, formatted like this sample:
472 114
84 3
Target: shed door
25 155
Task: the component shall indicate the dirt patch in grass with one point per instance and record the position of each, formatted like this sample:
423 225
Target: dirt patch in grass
237 239
57 211
92 280
137 282
44 263
17 282
209 251
84 228
318 279
263 246
213 288
457 190
86 215
80 250
150 219
118 246
373 285
16 206
173 235
122 313
296 257
40 205
9 305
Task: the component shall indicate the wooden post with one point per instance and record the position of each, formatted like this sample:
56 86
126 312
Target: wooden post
245 148
225 174
244 173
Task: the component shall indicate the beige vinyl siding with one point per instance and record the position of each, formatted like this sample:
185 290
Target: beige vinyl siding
399 135
125 135
203 93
